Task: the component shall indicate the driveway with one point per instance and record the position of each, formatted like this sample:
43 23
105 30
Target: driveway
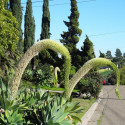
111 108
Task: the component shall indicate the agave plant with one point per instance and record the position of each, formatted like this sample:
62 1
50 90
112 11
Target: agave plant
10 109
69 84
54 110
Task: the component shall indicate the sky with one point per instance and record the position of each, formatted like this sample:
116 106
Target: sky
102 20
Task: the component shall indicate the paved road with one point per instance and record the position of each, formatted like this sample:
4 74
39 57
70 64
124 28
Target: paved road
111 107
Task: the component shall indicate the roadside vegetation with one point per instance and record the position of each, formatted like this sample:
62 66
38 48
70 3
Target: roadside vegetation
27 68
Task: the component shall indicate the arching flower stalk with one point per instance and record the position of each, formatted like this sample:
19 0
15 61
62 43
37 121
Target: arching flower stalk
96 62
69 85
33 51
56 76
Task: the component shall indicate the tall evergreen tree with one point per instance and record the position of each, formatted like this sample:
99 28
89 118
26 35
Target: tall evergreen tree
118 53
47 56
15 7
29 31
108 55
45 21
71 37
124 55
87 52
102 55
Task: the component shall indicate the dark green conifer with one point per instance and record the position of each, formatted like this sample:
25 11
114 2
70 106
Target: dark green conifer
47 56
102 55
15 7
45 21
71 37
29 31
87 50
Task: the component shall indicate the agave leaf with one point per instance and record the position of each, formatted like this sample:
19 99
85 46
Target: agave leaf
76 118
66 122
62 117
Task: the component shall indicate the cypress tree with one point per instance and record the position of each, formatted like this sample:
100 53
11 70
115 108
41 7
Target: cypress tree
45 21
108 54
71 37
15 7
47 56
87 52
29 31
102 54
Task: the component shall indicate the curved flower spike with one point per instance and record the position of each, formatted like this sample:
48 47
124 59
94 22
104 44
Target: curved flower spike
96 62
33 51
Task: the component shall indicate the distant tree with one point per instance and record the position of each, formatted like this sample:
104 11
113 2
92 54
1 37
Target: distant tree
102 55
118 53
108 55
8 40
15 7
124 55
118 59
87 50
29 27
47 56
71 37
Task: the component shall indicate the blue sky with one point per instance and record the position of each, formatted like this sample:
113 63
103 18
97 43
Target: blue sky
102 20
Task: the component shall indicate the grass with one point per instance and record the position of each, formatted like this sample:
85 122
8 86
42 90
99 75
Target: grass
85 104
56 89
105 72
27 84
100 119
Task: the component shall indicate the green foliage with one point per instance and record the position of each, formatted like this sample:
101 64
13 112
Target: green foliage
33 106
28 75
29 31
122 75
91 84
47 56
71 37
52 110
118 53
11 118
45 21
102 55
11 109
8 42
87 50
108 54
15 7
112 78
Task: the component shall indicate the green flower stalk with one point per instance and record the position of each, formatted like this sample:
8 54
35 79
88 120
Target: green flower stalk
96 62
56 76
33 51
69 85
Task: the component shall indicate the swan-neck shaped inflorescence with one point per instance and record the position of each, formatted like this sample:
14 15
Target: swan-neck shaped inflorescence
33 51
96 62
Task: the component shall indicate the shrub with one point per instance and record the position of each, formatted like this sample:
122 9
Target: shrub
28 75
122 75
112 78
91 84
